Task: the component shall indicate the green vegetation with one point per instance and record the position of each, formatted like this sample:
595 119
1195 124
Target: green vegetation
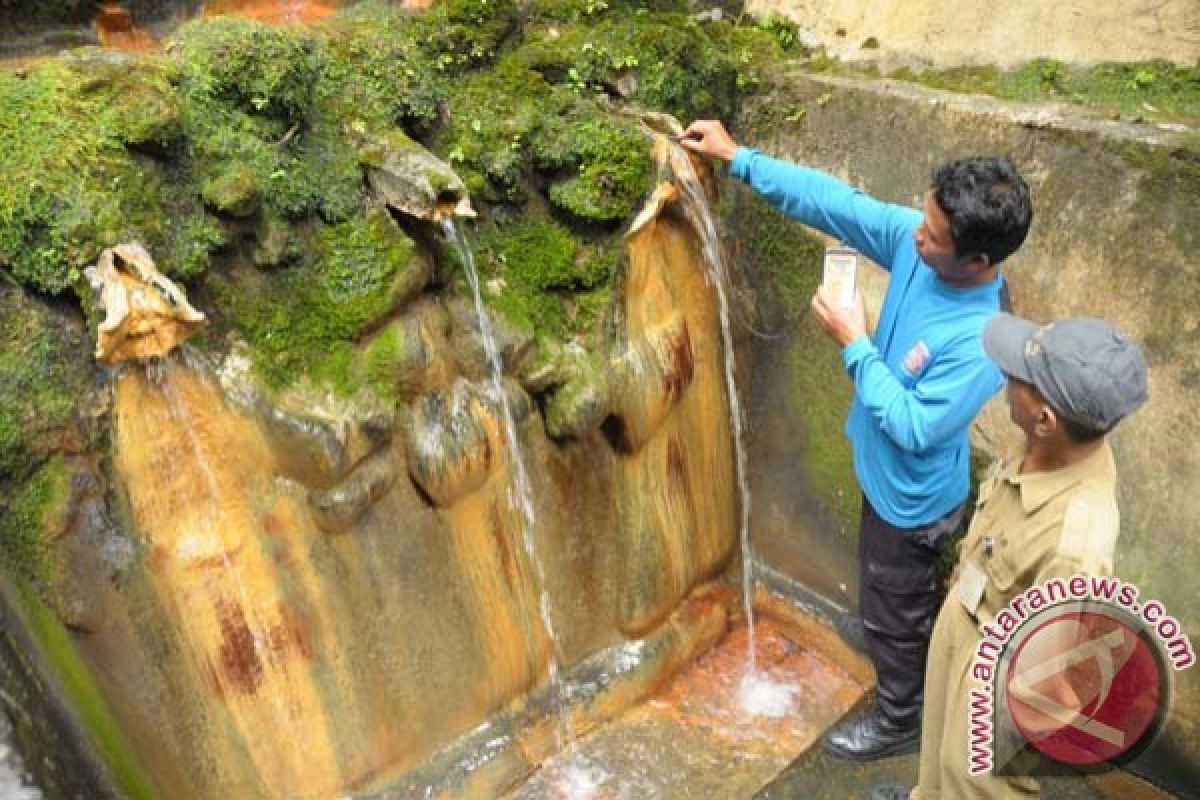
85 699
40 380
23 524
73 175
667 62
553 284
234 149
306 318
614 170
1149 89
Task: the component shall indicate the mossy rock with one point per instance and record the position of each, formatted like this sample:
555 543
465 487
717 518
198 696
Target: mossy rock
306 319
662 61
29 511
234 191
42 372
378 70
615 172
276 243
74 181
253 66
542 254
492 120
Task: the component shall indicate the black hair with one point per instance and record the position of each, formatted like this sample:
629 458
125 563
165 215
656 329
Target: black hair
1080 434
987 203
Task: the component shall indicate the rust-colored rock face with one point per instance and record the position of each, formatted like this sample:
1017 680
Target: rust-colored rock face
360 579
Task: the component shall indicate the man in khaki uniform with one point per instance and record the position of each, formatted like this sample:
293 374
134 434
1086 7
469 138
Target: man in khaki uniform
1048 512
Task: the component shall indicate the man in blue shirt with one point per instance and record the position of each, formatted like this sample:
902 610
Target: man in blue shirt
919 381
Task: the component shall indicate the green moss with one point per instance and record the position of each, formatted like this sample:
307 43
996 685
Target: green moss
786 256
83 696
381 362
541 11
23 523
234 190
468 32
785 260
260 123
40 378
491 119
378 72
545 280
249 65
305 319
614 173
541 254
819 398
75 181
667 61
1150 89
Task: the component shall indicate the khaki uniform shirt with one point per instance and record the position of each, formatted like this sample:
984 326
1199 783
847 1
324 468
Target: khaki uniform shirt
1027 529
1030 528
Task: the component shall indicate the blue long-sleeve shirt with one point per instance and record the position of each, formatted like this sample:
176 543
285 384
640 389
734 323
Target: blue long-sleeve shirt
923 376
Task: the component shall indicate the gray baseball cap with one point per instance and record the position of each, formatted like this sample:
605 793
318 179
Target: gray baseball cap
1088 370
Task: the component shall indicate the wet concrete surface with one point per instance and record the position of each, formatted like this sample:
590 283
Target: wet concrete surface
707 734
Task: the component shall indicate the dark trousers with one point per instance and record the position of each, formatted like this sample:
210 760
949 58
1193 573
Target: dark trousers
900 592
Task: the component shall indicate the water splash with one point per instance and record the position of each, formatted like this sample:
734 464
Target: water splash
698 212
521 493
763 697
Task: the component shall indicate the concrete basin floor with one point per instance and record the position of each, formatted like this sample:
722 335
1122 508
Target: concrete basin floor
706 734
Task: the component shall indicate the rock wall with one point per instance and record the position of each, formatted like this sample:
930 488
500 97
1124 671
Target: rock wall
1114 235
927 33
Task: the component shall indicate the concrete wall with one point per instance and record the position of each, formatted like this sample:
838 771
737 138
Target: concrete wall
979 32
1115 235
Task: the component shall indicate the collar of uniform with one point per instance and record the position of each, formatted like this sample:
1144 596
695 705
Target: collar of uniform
1039 488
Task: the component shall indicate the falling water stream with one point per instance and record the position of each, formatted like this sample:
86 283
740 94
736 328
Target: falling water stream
758 694
522 492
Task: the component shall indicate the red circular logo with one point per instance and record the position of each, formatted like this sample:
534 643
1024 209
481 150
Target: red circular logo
1084 688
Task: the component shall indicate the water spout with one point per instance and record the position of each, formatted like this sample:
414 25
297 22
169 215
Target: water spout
145 314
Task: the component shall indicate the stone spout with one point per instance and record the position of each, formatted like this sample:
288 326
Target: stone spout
145 314
407 178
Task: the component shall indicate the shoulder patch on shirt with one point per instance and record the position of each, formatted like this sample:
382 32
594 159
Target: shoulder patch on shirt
1089 532
916 359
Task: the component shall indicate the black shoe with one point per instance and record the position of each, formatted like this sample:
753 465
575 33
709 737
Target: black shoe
871 735
850 628
889 791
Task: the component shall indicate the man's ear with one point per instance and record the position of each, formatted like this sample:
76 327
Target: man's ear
979 263
1046 424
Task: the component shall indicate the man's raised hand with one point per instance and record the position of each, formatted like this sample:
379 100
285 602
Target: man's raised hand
708 137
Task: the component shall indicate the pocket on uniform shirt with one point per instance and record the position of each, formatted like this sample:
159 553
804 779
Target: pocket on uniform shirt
1001 571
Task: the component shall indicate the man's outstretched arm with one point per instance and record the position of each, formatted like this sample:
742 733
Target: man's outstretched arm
815 198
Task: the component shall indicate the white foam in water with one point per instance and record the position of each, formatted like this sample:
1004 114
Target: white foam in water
763 697
579 782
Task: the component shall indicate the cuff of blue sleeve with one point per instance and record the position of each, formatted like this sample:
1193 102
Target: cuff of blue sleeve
856 350
740 166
